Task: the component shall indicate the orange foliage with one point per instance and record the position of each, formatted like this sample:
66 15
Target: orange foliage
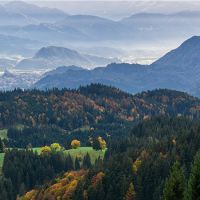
98 178
75 144
63 189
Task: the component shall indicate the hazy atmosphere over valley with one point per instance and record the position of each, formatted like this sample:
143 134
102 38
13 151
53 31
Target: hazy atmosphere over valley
100 100
40 36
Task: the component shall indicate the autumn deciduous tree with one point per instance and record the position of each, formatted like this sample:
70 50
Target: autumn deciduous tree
45 150
130 194
55 147
75 144
99 143
102 143
97 179
136 165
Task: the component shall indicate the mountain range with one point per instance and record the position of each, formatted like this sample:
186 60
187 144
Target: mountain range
18 12
28 22
178 69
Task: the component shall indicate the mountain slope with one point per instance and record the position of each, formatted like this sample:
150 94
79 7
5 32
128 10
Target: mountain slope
52 57
178 70
33 13
9 18
96 28
11 45
11 81
186 55
124 76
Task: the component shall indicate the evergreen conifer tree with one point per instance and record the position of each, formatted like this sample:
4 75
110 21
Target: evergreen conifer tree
77 164
175 184
193 191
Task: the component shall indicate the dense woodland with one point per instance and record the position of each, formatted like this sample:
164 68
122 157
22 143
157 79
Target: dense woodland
153 139
52 116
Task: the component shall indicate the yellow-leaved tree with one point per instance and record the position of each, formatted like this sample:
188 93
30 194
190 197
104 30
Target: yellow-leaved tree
45 150
136 165
55 147
75 144
102 143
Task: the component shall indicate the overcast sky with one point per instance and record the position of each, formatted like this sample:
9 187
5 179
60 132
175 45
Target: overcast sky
118 8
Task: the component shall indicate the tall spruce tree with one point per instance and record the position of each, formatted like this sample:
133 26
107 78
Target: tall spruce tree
87 162
96 144
1 146
193 191
175 184
77 164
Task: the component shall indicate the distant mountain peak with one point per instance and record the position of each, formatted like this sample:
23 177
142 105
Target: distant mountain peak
53 51
187 54
51 57
7 74
193 41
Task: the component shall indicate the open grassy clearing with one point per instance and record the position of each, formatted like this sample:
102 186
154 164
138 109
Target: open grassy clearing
1 160
3 133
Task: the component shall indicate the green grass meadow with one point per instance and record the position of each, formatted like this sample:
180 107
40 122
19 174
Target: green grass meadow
3 133
1 160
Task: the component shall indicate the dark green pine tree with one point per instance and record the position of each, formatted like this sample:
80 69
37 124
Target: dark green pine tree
175 184
5 189
1 146
9 188
87 161
69 163
22 189
100 192
77 164
4 195
96 144
78 193
193 191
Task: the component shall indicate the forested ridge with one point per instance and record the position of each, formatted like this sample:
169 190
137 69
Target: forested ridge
150 140
70 109
51 116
